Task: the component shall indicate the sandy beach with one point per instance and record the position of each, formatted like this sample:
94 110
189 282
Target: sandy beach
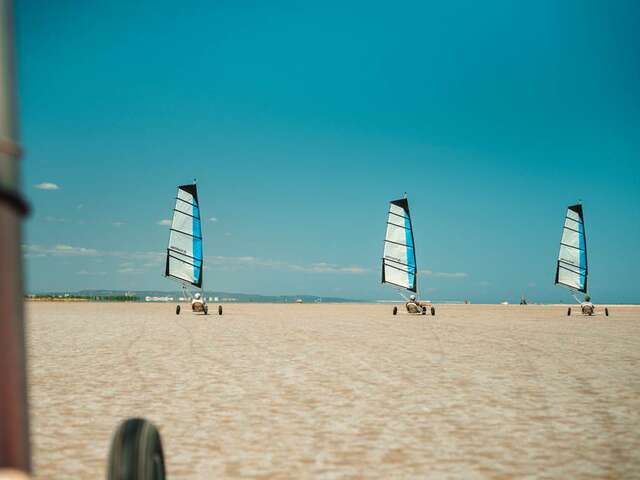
339 391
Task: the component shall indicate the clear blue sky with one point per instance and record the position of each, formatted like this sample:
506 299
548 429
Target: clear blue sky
300 121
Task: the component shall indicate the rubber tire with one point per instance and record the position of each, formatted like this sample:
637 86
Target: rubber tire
433 311
395 310
177 309
424 311
136 452
569 312
206 310
606 311
219 309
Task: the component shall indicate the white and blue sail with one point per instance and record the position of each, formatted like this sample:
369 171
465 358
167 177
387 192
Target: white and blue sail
399 257
572 268
184 253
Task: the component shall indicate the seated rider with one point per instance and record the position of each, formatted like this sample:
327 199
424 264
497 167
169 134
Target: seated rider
586 306
197 298
412 303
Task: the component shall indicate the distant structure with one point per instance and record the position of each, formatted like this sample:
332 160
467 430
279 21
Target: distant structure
298 300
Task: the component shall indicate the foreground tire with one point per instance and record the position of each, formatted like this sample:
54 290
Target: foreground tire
395 310
219 309
424 311
569 311
433 311
606 312
177 309
206 310
136 452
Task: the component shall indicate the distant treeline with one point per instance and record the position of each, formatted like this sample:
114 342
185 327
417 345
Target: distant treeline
86 298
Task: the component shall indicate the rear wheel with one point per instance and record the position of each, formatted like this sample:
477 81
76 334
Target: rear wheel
136 452
395 310
433 311
177 309
569 311
606 312
219 309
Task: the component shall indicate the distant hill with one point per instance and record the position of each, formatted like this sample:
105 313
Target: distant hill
222 296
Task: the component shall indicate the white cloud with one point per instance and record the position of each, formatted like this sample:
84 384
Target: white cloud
318 267
213 219
47 186
322 267
58 251
71 251
52 219
431 273
91 274
151 259
164 221
130 271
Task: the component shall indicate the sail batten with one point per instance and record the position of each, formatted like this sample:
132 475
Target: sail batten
399 258
572 268
184 253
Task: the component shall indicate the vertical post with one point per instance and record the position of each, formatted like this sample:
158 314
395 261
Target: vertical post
14 416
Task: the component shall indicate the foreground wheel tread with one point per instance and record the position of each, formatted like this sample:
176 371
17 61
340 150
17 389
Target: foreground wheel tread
136 452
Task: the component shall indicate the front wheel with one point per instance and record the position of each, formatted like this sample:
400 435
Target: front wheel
136 452
433 311
395 310
219 309
206 310
569 311
606 312
177 309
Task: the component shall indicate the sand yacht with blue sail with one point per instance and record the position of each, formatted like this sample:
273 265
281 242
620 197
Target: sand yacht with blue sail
185 261
399 258
572 268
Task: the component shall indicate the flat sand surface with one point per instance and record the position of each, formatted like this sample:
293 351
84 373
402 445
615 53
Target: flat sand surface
339 391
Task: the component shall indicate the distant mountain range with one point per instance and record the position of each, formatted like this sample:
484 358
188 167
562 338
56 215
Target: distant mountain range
221 296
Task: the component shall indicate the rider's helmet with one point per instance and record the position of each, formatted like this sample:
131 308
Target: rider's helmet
197 296
412 298
587 298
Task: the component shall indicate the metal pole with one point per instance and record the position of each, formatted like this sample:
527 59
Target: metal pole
14 415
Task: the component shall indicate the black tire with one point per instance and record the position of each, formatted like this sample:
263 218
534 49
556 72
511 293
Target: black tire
136 452
395 310
177 309
219 309
206 310
433 311
424 311
569 311
606 312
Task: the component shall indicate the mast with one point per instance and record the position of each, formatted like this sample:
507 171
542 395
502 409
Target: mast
14 416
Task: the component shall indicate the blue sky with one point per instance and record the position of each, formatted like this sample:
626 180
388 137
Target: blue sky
301 121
